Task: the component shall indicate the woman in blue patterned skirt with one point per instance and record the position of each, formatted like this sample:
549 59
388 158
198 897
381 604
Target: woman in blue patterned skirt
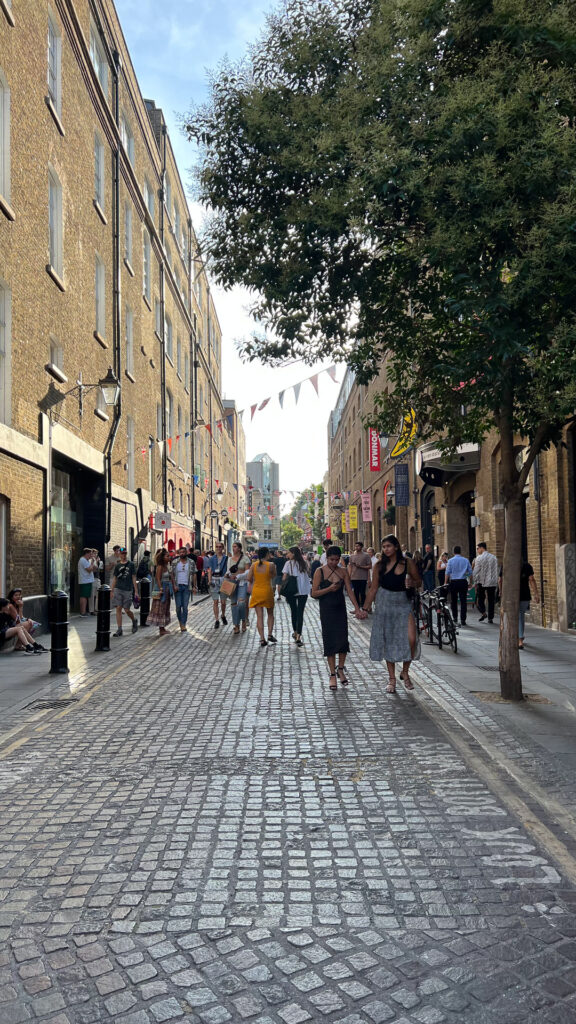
394 636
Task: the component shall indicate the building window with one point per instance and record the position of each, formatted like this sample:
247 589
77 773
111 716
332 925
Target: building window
179 356
158 317
171 494
100 296
128 232
177 223
54 64
130 454
187 446
129 333
98 56
4 512
5 354
168 255
56 354
99 171
127 138
169 413
146 268
55 222
4 138
179 436
149 197
168 340
168 195
180 496
159 435
186 371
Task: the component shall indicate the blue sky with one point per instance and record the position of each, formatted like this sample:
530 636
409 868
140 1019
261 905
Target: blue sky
173 45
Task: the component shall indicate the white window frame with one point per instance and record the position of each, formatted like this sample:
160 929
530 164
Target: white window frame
56 353
187 372
98 57
128 232
146 266
5 354
55 229
179 432
179 355
4 137
169 414
99 172
100 295
169 338
129 338
177 223
130 454
54 63
158 317
167 194
149 197
127 137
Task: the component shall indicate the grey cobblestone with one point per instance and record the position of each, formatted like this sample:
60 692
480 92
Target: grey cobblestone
226 847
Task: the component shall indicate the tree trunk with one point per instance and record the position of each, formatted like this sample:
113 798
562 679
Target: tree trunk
509 655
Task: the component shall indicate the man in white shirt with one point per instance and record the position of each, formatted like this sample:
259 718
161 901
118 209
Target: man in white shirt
85 579
325 544
485 576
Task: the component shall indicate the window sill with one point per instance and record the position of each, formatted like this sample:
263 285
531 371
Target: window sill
129 268
171 461
100 211
146 300
130 376
55 115
6 208
101 415
178 374
158 337
7 13
100 339
169 358
55 277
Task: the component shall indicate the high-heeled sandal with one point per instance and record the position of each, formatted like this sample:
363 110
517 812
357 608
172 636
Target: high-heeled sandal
236 630
408 684
334 685
391 688
343 680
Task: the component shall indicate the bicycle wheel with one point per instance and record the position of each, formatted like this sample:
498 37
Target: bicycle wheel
449 630
439 628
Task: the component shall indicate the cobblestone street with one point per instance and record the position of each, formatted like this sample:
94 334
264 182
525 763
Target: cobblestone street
209 834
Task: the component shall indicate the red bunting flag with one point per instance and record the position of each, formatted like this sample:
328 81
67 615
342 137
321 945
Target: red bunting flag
253 410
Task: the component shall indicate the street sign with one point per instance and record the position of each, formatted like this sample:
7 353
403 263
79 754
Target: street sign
162 520
401 485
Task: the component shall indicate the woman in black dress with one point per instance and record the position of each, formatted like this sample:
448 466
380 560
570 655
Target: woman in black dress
328 586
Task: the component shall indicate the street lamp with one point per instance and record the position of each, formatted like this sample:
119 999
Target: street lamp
109 386
219 494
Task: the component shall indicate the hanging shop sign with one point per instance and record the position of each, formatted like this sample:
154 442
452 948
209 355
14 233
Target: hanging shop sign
374 450
366 507
401 485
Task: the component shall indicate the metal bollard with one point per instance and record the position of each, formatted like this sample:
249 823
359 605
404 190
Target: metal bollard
58 614
103 619
144 600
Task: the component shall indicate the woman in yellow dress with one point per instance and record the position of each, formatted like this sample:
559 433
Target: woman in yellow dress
261 575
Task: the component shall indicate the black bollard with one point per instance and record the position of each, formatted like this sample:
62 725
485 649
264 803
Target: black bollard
58 614
103 619
144 600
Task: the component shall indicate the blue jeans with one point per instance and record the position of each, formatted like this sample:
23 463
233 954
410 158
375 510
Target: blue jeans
182 597
524 607
239 602
428 578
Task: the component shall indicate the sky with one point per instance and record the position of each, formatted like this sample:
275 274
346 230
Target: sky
173 45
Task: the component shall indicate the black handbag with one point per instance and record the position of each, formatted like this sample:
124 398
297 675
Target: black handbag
289 588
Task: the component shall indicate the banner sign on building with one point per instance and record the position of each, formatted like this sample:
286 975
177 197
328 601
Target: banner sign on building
347 521
374 450
401 486
343 522
353 517
366 507
328 536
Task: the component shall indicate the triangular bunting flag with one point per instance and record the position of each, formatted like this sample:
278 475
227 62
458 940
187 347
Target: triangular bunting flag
208 428
263 405
253 410
314 382
297 392
331 371
281 399
170 446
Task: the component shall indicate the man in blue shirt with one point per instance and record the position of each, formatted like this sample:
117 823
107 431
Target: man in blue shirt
458 571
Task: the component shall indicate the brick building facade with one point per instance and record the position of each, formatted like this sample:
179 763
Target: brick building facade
457 502
99 269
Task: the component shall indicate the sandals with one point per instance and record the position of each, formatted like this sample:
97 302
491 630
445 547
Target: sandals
236 630
263 643
408 684
391 688
243 627
272 639
343 680
334 685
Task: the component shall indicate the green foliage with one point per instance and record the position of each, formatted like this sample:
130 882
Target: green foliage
290 533
307 512
395 180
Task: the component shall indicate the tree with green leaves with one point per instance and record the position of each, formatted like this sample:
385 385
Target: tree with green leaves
307 513
291 533
395 180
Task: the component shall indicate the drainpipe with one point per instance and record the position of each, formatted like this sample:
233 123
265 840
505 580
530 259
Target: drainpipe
163 333
116 295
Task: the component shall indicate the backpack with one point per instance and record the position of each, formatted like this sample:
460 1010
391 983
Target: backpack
143 568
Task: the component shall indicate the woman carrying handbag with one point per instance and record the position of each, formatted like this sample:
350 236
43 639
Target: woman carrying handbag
295 587
238 566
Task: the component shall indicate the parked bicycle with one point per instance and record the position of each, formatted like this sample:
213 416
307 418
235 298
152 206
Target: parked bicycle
433 617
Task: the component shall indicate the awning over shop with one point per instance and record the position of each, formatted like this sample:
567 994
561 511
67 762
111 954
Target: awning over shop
434 469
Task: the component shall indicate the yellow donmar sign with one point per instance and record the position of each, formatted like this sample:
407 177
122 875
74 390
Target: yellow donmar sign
407 435
353 510
343 522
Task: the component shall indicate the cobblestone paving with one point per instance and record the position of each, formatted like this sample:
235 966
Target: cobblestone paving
213 836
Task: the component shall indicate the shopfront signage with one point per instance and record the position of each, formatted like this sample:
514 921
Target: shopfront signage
374 450
343 522
401 485
366 507
353 517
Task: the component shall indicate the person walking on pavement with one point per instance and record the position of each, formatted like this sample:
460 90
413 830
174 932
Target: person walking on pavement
458 572
217 566
238 566
328 586
296 566
85 579
184 583
394 636
441 568
159 614
485 576
528 590
98 570
326 544
359 569
122 591
111 563
261 575
428 567
279 560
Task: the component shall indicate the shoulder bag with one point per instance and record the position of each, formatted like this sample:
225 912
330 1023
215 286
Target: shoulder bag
289 588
